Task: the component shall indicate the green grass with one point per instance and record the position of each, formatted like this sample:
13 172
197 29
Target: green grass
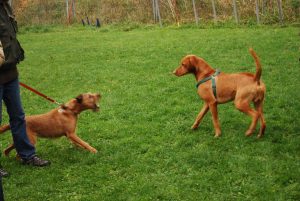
147 150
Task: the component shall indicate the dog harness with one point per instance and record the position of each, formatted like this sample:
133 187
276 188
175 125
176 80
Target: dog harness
213 82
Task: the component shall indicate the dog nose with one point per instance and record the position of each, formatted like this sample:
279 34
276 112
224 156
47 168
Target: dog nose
174 72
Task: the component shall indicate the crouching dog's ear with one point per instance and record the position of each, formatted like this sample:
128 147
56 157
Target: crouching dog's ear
79 98
63 106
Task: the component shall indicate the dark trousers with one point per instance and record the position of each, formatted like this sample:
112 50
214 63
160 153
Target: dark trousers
10 94
1 190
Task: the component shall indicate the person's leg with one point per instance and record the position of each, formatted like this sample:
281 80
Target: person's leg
1 96
11 97
1 190
3 172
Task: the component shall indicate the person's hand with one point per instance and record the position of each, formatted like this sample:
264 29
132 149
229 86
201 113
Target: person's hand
2 56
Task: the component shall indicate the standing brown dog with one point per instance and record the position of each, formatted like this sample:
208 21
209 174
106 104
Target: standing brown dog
59 122
242 88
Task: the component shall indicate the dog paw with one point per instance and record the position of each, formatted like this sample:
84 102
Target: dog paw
94 151
194 127
249 133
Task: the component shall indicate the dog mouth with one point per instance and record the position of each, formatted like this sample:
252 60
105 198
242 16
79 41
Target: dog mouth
96 108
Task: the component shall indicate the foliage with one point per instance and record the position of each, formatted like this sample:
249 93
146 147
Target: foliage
31 12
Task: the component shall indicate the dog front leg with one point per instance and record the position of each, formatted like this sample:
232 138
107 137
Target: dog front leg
75 139
200 116
214 111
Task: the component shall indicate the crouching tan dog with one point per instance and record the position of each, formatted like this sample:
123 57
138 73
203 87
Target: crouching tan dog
215 87
59 122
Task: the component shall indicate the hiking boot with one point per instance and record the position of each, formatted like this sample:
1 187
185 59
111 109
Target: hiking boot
36 161
3 173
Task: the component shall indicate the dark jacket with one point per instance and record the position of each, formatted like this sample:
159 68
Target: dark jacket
12 49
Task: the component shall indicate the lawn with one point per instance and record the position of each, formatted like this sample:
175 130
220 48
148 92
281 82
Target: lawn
146 149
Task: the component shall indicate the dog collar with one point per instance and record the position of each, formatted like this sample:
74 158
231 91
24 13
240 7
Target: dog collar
213 81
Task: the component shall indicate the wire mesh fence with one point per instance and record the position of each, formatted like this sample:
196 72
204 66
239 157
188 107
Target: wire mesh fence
156 11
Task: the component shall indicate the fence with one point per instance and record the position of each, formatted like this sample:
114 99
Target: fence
156 11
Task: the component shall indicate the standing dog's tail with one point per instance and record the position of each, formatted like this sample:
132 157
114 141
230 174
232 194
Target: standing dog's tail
4 128
258 65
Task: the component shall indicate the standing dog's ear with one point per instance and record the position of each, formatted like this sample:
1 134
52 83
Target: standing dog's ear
194 61
79 98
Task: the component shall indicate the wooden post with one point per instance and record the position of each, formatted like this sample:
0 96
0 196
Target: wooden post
263 6
257 11
195 13
177 13
280 11
158 12
154 10
73 8
67 9
235 11
214 10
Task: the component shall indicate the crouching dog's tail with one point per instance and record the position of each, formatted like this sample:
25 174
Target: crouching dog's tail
4 128
258 66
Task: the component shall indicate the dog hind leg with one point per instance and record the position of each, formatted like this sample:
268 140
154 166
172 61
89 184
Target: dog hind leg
244 107
259 108
9 149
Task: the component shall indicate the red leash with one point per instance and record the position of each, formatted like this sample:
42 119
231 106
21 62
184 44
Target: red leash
39 93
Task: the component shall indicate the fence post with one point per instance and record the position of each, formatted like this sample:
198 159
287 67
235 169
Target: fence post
235 11
263 6
158 12
257 11
73 9
214 10
67 7
154 10
280 11
195 12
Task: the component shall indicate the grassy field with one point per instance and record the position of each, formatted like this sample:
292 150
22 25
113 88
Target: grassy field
147 150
